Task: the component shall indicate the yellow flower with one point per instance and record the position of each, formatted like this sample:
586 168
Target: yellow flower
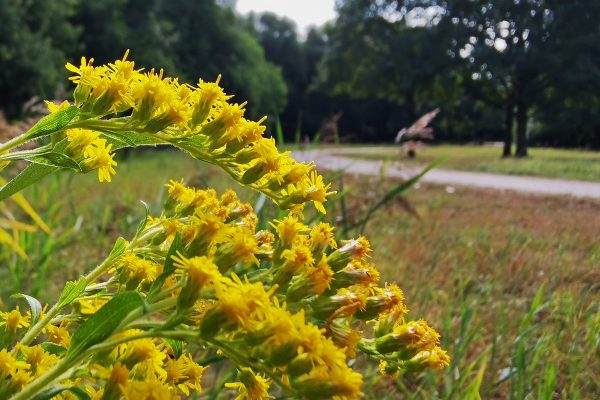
339 382
143 354
199 269
56 107
115 381
411 337
149 389
351 250
59 335
199 272
184 374
39 360
14 320
242 247
86 73
228 118
435 358
316 191
288 230
321 236
320 276
134 270
79 140
91 306
296 259
251 386
98 156
206 96
239 302
9 365
18 380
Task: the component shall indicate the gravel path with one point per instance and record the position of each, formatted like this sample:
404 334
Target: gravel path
333 160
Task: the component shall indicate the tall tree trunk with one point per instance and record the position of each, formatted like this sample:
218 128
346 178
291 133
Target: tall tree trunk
509 117
521 129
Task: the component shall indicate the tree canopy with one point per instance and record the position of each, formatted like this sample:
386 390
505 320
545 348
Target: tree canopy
496 68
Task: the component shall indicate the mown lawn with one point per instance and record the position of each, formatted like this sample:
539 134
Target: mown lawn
471 262
553 163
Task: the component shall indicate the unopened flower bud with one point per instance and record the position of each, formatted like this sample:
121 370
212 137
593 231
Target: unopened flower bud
355 249
435 358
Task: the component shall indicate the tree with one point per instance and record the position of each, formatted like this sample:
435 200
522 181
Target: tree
570 110
37 36
279 39
387 51
507 44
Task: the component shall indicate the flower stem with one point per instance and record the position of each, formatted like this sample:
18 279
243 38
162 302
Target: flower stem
14 142
45 379
56 308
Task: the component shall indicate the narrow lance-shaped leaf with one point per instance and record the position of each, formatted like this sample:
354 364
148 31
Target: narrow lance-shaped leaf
169 268
54 391
30 175
118 249
104 323
34 305
71 291
53 122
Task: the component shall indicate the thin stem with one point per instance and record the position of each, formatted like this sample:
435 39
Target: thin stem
56 308
18 155
42 322
45 379
14 142
237 357
163 304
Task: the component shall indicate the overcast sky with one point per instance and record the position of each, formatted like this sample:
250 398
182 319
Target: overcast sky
304 12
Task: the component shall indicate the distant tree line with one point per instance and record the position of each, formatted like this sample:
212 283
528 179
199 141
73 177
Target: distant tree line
518 71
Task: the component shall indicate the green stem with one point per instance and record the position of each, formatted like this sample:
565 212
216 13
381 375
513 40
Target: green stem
45 379
65 364
237 359
163 304
14 142
35 330
19 155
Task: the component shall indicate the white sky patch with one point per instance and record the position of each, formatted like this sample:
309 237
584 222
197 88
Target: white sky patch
304 13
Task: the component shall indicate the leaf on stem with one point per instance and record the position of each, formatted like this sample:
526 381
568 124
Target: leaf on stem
103 324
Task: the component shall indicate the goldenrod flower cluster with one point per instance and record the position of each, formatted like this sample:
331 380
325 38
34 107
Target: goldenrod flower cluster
288 306
120 105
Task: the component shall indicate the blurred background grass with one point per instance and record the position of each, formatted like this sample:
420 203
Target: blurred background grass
511 281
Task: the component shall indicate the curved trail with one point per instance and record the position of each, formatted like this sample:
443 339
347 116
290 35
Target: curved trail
333 159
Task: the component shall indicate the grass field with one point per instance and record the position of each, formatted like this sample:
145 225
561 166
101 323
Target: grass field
473 261
553 163
470 262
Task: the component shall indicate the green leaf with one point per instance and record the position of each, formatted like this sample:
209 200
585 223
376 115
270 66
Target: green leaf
143 222
34 305
104 323
118 249
27 177
53 122
56 160
53 348
72 291
169 268
176 346
120 140
55 390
